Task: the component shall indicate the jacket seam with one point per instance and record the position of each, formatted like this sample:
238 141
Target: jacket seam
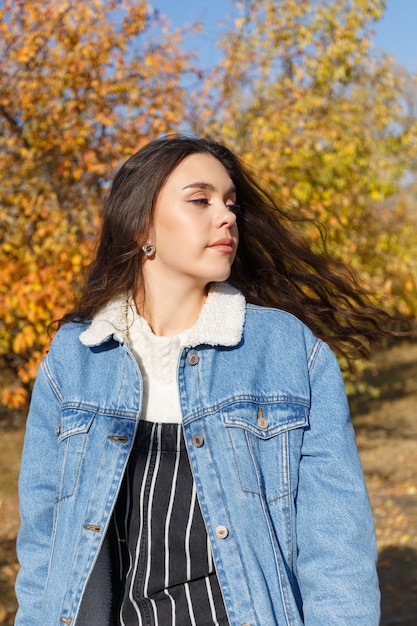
93 408
203 412
312 357
51 381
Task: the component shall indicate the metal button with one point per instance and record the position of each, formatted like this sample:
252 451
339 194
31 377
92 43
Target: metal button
246 624
221 532
262 423
93 527
57 430
118 438
198 441
193 359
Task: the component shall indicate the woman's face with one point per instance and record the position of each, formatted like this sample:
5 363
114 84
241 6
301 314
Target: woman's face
194 231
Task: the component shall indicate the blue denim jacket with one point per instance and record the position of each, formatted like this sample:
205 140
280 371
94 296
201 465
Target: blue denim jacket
273 454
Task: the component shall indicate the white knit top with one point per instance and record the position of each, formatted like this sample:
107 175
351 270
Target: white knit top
157 358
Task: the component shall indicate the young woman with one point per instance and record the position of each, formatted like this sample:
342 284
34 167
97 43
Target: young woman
189 457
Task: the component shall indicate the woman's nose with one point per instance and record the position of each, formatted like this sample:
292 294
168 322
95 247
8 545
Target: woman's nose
225 216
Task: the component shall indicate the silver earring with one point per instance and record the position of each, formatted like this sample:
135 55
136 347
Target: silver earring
148 249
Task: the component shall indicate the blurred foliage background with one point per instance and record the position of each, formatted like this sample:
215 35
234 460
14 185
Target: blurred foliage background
299 92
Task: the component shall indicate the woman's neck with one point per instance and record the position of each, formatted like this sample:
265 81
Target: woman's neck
170 311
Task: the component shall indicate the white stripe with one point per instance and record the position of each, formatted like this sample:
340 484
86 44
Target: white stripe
128 496
149 520
119 550
155 614
141 498
188 531
209 556
167 523
190 604
210 597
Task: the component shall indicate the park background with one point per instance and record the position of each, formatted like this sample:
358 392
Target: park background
319 97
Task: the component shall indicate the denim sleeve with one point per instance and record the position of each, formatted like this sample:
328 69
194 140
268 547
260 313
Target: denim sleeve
336 563
37 494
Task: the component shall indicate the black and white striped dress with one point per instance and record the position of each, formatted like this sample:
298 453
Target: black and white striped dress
165 568
162 561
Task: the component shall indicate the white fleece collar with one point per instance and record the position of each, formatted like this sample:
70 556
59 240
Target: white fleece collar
220 322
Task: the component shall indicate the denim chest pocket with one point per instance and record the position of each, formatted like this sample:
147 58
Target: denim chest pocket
72 437
266 442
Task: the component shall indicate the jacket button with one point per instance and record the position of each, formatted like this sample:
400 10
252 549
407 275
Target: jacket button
118 438
221 532
262 423
192 359
57 430
198 441
245 624
93 527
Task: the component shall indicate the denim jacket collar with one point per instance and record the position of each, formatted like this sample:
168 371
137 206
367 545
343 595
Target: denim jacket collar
220 322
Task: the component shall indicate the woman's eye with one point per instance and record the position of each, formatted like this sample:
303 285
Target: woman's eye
234 208
199 201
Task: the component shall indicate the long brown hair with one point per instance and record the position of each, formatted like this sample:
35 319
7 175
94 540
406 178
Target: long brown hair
274 266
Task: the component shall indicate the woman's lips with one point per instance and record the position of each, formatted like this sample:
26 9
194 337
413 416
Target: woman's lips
223 245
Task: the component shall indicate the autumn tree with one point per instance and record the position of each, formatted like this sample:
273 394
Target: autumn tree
299 92
304 97
82 86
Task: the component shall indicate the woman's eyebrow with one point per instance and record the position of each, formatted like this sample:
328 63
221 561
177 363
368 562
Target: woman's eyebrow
209 186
